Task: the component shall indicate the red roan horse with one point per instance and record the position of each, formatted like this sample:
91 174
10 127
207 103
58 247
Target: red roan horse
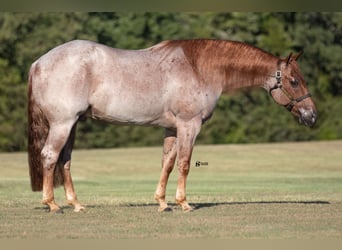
174 85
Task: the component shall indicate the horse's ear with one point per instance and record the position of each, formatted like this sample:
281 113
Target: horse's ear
288 59
295 57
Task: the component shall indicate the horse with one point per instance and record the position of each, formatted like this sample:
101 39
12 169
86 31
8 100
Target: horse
174 85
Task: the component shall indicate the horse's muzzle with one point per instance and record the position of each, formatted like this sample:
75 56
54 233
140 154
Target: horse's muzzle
307 117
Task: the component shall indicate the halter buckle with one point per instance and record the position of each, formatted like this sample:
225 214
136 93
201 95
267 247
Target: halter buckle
278 76
278 84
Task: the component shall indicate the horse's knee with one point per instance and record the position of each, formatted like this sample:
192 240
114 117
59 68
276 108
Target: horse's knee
184 167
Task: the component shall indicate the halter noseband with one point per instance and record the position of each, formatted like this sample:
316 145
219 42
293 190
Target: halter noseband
293 101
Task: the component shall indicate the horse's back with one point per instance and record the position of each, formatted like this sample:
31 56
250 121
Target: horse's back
127 86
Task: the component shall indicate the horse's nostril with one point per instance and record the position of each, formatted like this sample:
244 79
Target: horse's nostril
314 117
308 117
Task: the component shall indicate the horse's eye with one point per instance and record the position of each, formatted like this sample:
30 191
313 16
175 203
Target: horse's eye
294 83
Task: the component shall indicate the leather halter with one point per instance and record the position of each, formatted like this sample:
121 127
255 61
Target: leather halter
289 106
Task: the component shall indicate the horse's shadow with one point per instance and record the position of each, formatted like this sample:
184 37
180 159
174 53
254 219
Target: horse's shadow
200 205
197 206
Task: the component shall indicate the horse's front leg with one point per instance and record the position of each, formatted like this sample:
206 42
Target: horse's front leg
169 157
187 132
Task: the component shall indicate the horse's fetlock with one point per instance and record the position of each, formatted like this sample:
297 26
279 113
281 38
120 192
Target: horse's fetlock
47 201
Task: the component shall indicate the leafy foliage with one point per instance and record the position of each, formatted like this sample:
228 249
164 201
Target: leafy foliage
240 118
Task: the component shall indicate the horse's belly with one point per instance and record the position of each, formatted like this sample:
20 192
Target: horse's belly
138 112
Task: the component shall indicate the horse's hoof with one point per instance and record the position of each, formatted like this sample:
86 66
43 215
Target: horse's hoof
185 206
164 209
188 209
79 209
59 211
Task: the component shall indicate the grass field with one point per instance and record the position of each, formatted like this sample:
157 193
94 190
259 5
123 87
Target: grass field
258 191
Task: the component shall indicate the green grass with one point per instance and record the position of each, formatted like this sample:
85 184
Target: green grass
262 191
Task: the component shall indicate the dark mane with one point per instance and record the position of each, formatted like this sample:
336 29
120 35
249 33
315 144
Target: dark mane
235 63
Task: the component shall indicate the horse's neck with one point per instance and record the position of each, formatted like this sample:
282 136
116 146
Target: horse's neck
238 76
247 67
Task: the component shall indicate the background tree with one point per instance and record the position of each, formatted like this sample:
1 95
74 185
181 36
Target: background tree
239 118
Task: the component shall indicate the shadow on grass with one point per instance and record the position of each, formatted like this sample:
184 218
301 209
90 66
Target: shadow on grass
66 207
216 204
197 206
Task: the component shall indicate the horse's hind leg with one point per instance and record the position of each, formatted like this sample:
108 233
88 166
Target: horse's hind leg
57 137
66 161
169 157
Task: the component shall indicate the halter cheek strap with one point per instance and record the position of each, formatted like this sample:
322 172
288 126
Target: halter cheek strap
289 106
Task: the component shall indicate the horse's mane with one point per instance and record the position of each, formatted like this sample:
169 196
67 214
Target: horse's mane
232 61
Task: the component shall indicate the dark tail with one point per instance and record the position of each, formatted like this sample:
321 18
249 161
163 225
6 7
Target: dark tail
38 129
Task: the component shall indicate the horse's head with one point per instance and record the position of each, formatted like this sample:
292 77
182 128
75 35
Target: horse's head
288 88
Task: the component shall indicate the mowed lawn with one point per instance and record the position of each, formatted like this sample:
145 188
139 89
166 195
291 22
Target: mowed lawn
256 191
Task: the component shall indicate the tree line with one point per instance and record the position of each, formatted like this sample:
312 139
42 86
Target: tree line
243 117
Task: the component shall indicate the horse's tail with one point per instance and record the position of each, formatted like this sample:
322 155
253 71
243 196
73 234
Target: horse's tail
38 129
